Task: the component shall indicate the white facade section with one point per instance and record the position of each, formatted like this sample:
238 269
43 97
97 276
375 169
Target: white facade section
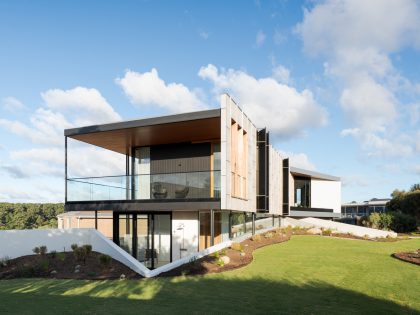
326 194
230 111
185 236
275 182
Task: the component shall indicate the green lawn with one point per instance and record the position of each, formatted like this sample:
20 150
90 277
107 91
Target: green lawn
307 275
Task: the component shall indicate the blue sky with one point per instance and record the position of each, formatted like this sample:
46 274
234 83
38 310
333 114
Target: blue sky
337 82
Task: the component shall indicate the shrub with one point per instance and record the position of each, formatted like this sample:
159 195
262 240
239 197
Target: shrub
220 262
236 246
105 259
256 238
61 256
366 237
36 250
327 232
53 254
4 262
223 252
402 222
74 247
43 250
269 235
216 255
88 249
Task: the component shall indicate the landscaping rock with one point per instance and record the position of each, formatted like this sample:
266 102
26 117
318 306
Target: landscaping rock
242 254
77 271
77 267
225 259
314 231
53 273
122 277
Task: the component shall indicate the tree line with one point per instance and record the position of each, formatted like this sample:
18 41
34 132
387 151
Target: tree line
20 216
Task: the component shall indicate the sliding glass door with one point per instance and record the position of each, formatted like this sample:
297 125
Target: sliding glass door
147 237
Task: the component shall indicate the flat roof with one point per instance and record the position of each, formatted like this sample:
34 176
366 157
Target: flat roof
121 136
313 174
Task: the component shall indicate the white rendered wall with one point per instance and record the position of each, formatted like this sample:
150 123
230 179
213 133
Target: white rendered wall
184 233
16 243
326 194
229 111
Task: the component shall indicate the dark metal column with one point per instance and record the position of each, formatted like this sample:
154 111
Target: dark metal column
96 219
127 177
212 227
65 169
253 223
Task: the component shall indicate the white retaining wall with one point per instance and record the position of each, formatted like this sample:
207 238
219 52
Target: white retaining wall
339 227
16 243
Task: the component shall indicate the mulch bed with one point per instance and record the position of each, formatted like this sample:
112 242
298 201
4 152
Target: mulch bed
208 264
411 257
63 266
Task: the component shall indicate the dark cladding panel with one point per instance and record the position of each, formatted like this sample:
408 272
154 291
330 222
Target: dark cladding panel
262 170
179 158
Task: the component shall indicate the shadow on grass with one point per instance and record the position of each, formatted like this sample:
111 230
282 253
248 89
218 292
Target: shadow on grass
186 296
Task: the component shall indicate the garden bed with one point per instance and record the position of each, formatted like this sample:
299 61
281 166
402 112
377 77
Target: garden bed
411 257
65 265
239 255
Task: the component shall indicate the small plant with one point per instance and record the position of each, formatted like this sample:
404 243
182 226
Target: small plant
43 250
53 254
4 262
236 246
256 238
36 250
61 256
223 252
217 255
366 237
220 262
327 232
193 260
88 249
91 274
105 259
74 247
269 235
80 254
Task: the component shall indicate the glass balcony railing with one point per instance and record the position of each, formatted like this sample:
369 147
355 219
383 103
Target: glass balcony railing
191 185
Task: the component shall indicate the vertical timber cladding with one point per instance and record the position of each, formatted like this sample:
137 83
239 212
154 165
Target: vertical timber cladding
263 169
286 187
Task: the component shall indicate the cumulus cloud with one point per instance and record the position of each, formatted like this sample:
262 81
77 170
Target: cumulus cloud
356 39
281 108
299 160
148 89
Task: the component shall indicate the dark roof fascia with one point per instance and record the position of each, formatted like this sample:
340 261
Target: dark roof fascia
313 174
161 120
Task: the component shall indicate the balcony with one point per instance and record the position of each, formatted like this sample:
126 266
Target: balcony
159 187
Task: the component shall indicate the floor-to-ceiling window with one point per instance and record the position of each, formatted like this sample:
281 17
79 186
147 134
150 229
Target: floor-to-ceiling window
147 237
302 192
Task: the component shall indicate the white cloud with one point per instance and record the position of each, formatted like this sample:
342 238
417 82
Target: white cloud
12 104
260 38
148 89
203 34
299 160
281 108
354 180
279 38
90 102
356 38
281 74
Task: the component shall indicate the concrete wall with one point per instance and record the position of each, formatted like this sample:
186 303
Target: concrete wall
185 237
326 194
229 111
275 182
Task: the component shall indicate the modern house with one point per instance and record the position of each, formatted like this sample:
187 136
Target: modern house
354 209
192 181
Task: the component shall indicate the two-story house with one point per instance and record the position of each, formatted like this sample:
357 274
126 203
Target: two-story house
193 180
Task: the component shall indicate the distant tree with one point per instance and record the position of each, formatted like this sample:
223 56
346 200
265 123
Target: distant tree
21 216
406 202
415 187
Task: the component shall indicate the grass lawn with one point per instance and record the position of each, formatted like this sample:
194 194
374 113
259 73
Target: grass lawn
307 275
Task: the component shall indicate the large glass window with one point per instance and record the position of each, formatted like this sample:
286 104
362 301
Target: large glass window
302 192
